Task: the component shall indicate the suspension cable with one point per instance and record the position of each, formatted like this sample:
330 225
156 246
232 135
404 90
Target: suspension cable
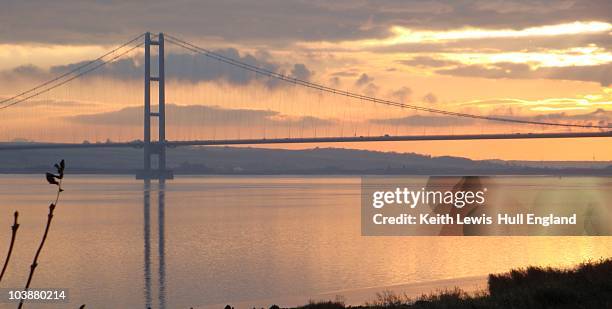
78 68
196 49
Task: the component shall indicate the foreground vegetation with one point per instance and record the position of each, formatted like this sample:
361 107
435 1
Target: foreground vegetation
588 285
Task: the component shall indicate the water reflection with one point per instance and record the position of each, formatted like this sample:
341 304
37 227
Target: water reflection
247 238
563 199
147 242
161 246
161 221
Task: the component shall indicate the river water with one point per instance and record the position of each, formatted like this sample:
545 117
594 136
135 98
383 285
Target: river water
207 241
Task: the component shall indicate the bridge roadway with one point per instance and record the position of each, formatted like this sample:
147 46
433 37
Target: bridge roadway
307 140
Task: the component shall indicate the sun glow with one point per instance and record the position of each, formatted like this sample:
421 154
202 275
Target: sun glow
580 102
586 55
402 35
405 35
551 58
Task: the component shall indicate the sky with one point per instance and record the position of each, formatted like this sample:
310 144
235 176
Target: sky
532 60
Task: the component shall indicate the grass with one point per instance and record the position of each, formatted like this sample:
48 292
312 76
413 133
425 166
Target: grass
588 285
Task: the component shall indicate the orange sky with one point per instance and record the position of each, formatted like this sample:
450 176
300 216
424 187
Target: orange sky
555 71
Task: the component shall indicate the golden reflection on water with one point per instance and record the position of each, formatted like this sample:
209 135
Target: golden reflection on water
228 239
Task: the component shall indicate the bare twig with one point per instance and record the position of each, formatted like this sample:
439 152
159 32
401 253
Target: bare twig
57 180
10 250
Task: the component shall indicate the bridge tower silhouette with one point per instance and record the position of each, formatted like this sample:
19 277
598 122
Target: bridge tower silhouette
152 148
155 145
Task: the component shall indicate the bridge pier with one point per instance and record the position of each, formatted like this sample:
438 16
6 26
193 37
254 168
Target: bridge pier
158 148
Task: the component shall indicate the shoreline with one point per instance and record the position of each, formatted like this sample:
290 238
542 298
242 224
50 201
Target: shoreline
356 174
585 285
359 296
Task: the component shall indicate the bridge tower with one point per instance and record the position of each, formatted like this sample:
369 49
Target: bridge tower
154 148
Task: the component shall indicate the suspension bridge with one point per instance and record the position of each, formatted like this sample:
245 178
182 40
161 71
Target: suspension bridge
288 108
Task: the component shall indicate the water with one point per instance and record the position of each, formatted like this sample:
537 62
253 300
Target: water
236 239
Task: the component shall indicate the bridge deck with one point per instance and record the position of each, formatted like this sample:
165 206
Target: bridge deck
386 138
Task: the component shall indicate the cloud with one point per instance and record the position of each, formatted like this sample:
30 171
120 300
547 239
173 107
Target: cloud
125 68
334 81
51 103
424 62
363 80
526 44
185 67
430 98
73 21
593 73
348 73
425 121
497 70
371 90
300 71
599 117
517 106
402 94
202 115
27 70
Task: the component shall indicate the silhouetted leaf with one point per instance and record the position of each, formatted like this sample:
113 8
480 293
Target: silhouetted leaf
60 169
51 179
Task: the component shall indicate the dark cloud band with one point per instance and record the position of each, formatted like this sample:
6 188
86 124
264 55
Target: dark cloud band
184 67
201 115
275 21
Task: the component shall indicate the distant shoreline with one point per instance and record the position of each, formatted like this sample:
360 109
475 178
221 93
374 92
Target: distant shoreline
602 173
316 161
